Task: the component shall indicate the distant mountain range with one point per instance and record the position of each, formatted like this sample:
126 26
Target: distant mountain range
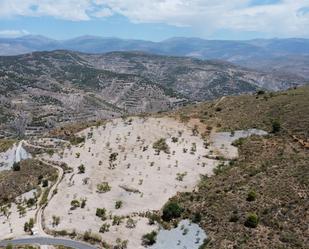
281 56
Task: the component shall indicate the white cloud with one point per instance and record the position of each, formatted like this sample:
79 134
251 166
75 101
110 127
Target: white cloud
13 33
279 19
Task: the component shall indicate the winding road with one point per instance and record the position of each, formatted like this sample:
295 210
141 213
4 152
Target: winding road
48 241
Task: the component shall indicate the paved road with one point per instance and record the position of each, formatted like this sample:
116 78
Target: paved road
48 241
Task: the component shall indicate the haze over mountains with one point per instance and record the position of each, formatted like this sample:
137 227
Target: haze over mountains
281 56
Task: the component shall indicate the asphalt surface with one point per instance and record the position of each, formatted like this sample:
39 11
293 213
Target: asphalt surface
47 241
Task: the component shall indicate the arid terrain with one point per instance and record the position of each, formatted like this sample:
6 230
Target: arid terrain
123 181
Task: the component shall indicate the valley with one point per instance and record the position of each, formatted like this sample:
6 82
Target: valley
114 186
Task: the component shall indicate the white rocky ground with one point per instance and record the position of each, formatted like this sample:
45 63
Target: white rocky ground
12 225
154 176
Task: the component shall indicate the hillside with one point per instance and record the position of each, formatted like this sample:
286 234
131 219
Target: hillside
172 178
47 88
269 179
266 54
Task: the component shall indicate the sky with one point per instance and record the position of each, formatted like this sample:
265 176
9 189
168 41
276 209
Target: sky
155 20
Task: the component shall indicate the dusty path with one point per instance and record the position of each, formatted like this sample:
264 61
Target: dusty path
39 214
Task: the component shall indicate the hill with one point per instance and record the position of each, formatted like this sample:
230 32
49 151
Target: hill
61 86
269 179
267 54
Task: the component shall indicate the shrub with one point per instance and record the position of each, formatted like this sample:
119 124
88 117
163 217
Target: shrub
252 220
16 166
197 218
103 187
104 228
161 145
118 204
45 183
276 126
117 220
81 169
74 204
83 203
171 210
113 157
149 238
174 139
251 196
101 212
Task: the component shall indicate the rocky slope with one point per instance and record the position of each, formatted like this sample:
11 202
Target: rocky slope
63 86
266 54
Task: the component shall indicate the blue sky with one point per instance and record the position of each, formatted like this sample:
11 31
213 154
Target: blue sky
155 19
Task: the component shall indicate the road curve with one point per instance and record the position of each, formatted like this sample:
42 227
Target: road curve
48 241
39 214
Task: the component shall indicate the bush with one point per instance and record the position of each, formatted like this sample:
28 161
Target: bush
252 220
197 218
118 204
171 210
103 187
161 145
101 212
104 228
16 166
149 238
276 126
75 204
45 183
81 169
251 196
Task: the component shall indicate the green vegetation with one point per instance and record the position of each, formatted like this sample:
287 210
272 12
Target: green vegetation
6 144
29 225
15 183
16 166
171 211
251 196
161 145
81 169
149 238
276 126
103 187
252 221
75 204
265 186
101 212
118 204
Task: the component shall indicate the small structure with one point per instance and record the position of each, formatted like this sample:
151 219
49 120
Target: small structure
34 231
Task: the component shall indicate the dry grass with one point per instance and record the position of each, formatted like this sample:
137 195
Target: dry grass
6 144
15 183
275 167
290 108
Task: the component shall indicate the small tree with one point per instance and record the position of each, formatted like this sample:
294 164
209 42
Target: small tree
251 196
118 204
74 204
276 126
45 183
101 212
149 238
171 210
252 220
16 166
81 169
104 228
